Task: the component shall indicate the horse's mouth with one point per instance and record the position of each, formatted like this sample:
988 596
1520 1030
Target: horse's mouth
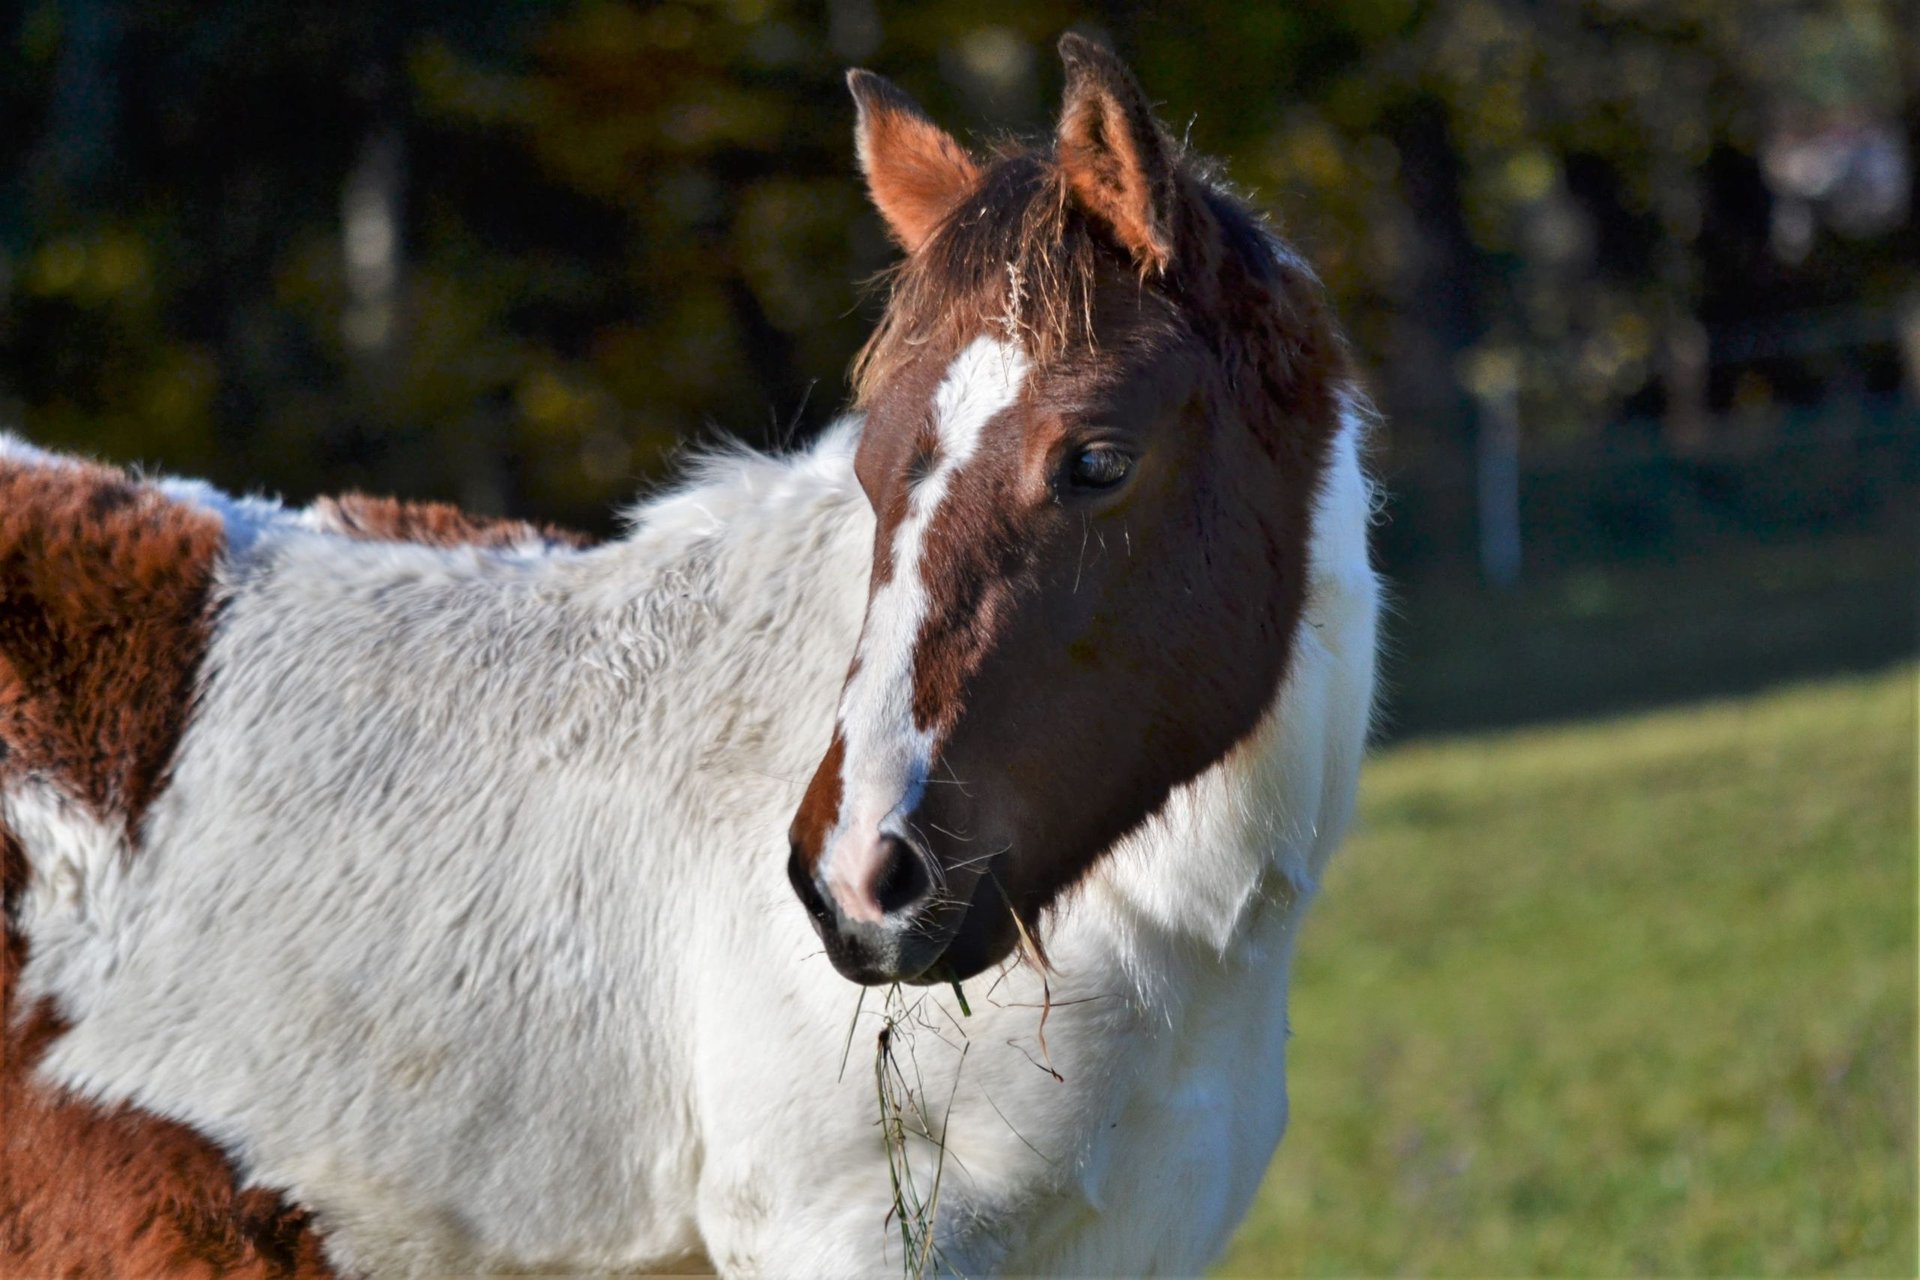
951 947
984 936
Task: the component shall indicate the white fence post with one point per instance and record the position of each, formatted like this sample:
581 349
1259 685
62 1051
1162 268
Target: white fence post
1496 392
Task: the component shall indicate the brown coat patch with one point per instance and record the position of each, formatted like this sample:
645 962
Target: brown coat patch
105 612
438 524
104 587
91 1191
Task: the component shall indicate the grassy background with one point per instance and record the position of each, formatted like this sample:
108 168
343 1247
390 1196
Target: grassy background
1636 996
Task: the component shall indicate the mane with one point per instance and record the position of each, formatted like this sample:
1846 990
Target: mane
1017 255
719 483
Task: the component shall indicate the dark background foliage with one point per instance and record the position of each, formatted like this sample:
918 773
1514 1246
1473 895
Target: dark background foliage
1633 280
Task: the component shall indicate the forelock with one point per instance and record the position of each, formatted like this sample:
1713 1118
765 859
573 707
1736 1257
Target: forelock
1017 258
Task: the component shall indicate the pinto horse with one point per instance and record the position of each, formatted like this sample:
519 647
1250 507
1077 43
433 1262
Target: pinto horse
392 892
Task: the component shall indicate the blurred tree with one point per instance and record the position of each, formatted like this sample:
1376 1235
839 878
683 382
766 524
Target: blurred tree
514 252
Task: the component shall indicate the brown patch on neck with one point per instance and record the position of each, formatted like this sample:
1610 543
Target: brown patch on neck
106 603
437 524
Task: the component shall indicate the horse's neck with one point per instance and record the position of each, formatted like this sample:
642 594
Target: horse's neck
1211 888
765 560
778 554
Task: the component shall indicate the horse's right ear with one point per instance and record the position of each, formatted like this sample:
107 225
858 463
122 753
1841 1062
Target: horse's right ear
916 173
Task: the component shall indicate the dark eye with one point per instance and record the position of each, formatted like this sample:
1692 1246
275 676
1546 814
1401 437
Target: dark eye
1098 467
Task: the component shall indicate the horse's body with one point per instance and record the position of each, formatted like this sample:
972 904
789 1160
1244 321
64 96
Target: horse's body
461 921
435 889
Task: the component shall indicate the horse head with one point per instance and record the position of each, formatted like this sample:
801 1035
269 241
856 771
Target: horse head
1097 410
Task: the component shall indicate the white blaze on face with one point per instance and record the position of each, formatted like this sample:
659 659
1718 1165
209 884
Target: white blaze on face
885 762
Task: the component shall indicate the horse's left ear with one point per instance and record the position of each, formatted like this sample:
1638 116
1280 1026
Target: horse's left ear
1116 159
915 171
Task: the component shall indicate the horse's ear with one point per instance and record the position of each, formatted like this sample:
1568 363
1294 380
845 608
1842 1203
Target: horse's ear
1117 162
915 172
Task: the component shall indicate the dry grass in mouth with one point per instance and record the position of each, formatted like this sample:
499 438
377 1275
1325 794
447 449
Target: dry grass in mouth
900 1096
901 1099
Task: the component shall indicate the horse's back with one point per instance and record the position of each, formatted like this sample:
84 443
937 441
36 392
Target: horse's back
111 590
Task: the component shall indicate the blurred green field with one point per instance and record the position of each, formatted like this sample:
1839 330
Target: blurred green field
1631 997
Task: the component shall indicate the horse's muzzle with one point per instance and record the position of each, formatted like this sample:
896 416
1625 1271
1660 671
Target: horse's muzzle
916 920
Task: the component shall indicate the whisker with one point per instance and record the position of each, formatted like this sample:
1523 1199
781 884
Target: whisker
974 862
955 777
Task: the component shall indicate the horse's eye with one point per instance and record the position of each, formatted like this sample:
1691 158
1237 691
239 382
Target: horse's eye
1098 467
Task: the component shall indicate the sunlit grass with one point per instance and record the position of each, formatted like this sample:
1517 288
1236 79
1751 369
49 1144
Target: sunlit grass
1629 997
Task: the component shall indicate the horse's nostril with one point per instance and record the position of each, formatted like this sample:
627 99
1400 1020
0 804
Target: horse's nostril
807 891
904 880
